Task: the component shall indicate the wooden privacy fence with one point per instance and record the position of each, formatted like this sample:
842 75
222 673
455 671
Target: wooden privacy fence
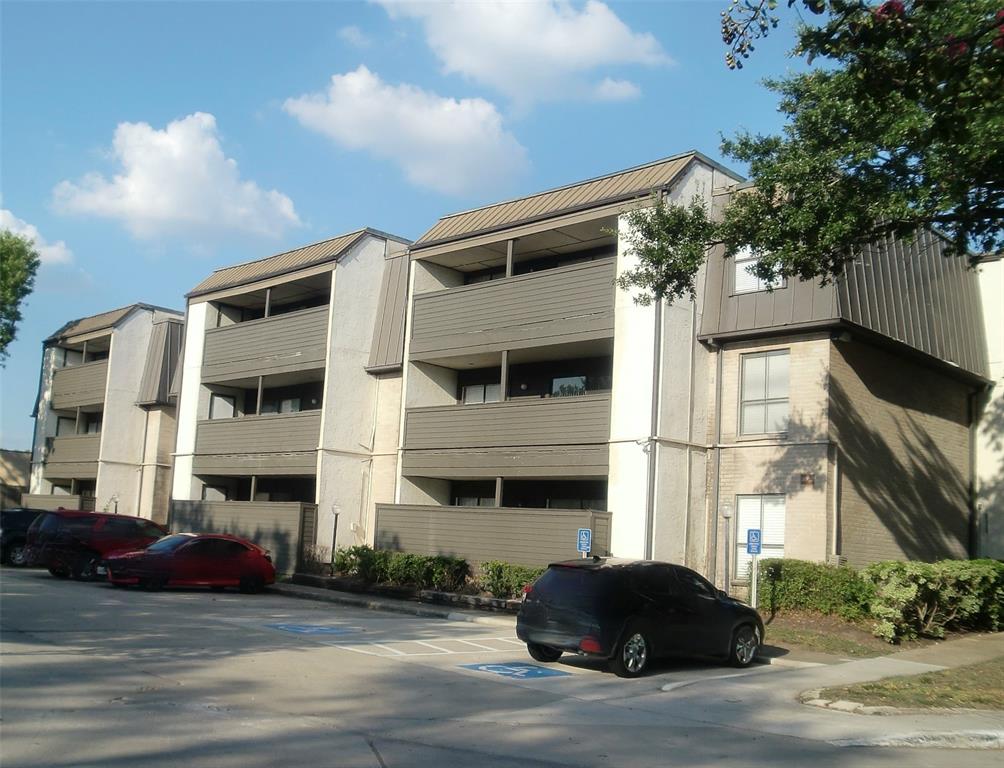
524 536
283 528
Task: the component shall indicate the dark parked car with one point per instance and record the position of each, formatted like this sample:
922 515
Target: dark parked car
630 611
14 525
194 560
70 542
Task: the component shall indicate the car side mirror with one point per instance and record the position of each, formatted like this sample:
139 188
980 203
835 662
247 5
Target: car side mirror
722 594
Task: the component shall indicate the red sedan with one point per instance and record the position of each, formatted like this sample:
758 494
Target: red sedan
214 560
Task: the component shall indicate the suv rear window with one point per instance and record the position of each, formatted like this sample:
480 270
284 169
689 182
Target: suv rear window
574 587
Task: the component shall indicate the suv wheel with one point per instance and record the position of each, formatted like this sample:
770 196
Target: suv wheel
17 555
59 571
633 652
543 653
745 645
86 567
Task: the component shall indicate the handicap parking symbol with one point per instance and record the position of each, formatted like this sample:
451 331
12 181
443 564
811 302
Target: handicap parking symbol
311 629
516 670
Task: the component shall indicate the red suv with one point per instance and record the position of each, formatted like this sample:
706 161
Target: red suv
70 542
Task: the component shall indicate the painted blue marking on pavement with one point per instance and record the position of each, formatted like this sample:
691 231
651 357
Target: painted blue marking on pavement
517 670
311 629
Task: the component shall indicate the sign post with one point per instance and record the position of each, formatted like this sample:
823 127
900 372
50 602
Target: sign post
585 541
753 548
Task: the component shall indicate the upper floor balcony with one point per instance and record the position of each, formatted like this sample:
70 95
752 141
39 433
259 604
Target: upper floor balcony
573 303
296 341
72 456
79 385
270 444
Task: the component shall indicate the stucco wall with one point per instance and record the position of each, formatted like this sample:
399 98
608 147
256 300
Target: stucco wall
903 462
45 424
990 435
185 486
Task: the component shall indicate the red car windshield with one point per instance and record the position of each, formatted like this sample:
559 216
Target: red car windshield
169 543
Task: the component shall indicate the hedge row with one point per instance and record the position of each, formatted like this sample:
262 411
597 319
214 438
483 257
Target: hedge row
904 599
447 574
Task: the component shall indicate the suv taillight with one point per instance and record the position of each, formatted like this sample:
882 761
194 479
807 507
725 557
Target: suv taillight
527 589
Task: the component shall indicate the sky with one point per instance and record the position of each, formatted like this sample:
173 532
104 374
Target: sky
145 144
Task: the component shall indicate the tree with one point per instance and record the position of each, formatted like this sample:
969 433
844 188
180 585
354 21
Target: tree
902 130
18 264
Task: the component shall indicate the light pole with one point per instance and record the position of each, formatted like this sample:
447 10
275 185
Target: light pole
726 512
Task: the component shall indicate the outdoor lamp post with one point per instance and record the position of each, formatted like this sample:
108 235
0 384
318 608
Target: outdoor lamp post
726 512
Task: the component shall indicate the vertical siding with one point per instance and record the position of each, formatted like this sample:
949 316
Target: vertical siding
532 537
79 385
293 342
388 335
912 292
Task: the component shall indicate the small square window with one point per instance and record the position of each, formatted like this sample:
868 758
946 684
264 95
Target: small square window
745 280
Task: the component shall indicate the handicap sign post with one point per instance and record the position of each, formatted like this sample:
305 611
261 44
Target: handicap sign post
585 541
753 540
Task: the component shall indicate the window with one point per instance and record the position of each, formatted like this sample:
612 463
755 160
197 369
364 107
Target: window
222 406
474 394
284 405
65 426
764 393
693 584
92 423
745 281
474 493
568 386
767 514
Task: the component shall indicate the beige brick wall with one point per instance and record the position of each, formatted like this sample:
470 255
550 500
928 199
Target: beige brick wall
904 459
796 463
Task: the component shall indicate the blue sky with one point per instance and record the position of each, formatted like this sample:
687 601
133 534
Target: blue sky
146 144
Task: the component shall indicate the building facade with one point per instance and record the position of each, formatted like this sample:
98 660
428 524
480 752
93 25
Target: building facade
990 437
540 398
289 394
104 418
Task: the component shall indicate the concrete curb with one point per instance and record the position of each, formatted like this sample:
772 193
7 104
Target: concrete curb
389 605
813 699
947 740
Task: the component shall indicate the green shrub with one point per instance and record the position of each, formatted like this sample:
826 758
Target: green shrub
505 580
924 599
786 585
420 571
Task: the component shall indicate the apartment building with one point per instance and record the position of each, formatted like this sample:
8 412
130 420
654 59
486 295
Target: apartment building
540 398
290 395
104 416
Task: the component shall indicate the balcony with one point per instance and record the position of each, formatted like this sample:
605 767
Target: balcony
273 444
72 456
286 343
555 306
57 501
524 437
79 385
533 537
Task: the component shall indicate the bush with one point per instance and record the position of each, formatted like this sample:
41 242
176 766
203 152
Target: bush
786 585
420 571
505 580
924 599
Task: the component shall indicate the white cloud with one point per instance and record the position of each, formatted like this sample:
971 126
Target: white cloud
177 180
449 145
609 89
532 51
48 253
354 36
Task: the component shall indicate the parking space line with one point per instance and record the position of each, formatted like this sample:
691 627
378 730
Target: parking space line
392 651
434 647
477 645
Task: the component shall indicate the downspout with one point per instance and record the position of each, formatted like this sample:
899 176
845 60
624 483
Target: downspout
690 432
653 444
718 464
977 402
142 466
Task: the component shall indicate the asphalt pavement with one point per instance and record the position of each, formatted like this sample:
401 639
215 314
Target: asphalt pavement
96 676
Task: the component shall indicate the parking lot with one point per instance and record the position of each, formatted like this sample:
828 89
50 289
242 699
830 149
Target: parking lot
93 675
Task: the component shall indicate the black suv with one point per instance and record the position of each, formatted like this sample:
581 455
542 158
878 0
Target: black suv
630 611
14 525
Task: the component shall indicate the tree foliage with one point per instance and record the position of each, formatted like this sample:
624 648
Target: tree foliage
18 264
903 129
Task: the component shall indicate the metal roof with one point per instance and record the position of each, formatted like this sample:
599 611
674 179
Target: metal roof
101 321
623 185
281 263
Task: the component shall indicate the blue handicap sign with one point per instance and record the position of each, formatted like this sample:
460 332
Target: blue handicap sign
311 629
585 539
516 670
753 541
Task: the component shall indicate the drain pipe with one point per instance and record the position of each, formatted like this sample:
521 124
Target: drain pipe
718 468
653 444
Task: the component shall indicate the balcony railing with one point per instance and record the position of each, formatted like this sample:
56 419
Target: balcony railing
57 501
274 444
282 344
556 306
79 385
72 456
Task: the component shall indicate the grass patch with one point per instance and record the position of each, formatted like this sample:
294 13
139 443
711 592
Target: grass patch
977 686
804 631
